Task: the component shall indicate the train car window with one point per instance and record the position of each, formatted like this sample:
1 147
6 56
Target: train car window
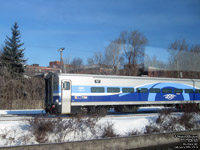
188 90
66 86
197 90
167 90
178 90
113 90
142 90
154 90
97 89
128 90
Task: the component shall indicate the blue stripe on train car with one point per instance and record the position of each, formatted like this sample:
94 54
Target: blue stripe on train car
128 97
83 90
111 98
141 96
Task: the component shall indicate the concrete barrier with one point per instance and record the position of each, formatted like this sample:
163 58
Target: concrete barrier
186 138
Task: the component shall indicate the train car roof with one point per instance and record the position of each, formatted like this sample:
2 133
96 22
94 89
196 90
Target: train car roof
125 77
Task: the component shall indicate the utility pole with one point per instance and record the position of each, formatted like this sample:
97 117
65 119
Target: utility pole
61 60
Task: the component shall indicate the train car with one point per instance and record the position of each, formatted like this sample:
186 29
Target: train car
72 93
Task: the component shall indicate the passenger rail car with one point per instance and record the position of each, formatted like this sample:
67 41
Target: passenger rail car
72 93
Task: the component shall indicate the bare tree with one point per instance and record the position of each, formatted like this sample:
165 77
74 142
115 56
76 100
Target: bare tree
77 63
184 58
192 60
195 48
97 59
154 62
175 49
113 55
129 47
67 60
133 45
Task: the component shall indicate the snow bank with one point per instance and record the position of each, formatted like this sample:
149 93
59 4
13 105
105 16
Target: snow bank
18 132
123 125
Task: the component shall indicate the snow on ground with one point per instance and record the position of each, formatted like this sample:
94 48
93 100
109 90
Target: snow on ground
17 132
123 125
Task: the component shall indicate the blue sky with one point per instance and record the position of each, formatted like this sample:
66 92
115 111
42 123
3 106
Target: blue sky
85 26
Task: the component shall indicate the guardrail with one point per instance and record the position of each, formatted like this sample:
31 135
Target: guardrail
176 140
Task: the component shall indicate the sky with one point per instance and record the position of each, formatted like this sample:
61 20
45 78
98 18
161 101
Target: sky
85 26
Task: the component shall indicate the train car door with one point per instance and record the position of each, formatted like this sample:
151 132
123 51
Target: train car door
66 96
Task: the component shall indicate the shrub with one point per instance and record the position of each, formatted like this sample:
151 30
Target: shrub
167 122
59 129
186 121
108 131
40 127
134 132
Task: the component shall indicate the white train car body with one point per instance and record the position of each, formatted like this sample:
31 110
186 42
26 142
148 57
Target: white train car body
73 92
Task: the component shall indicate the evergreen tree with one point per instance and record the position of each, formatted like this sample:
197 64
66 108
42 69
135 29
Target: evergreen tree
12 56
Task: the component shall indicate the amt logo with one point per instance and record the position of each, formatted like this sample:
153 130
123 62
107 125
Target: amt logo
169 96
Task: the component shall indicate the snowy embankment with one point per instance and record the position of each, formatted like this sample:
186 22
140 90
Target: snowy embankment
19 133
72 129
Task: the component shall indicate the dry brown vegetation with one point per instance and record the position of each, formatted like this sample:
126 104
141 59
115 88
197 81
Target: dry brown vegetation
21 93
